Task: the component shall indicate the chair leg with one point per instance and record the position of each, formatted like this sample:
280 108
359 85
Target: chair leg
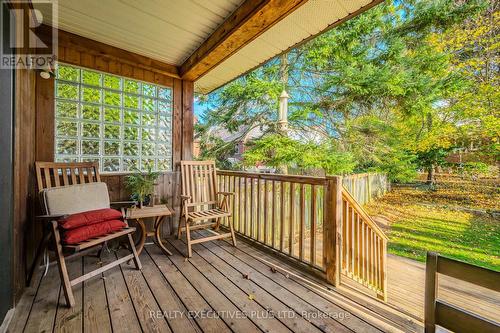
217 224
233 236
137 261
61 263
188 240
179 232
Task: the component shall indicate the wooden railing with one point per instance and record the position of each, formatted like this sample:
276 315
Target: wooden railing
305 218
281 211
364 247
450 316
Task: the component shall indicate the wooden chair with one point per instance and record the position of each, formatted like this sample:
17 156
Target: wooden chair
60 177
200 207
449 316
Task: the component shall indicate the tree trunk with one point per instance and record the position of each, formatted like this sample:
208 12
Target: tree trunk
430 175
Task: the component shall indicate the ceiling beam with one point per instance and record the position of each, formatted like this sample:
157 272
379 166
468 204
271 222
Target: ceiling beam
248 22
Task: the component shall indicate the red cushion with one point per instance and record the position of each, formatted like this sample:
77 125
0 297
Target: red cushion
84 233
87 218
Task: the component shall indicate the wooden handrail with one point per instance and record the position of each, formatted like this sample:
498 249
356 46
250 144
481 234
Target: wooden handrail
466 272
347 196
277 177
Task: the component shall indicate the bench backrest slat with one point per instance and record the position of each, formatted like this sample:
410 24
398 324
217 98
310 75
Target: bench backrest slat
55 174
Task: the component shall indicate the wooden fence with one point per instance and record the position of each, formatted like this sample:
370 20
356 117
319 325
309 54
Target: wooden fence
303 217
364 187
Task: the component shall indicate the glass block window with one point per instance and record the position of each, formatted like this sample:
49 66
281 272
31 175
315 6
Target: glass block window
122 123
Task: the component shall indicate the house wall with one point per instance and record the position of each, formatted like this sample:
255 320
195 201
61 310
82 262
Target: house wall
6 181
35 121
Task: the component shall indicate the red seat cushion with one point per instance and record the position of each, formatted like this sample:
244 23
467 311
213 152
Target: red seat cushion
87 218
80 234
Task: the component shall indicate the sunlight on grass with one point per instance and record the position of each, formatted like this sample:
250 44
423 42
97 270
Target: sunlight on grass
459 235
416 229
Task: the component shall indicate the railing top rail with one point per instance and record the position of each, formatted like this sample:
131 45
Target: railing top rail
483 277
347 196
277 177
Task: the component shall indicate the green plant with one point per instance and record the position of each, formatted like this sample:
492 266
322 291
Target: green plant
141 184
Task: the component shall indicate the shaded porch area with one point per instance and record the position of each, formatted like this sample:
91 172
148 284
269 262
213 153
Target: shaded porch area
221 288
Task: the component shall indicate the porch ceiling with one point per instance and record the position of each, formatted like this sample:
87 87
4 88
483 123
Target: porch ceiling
166 30
309 20
211 42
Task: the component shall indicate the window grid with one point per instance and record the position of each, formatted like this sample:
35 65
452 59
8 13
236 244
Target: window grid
105 120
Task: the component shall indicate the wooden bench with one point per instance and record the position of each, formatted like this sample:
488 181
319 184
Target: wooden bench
56 175
449 316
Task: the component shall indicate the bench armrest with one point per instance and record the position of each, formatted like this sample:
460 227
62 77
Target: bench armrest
121 204
49 217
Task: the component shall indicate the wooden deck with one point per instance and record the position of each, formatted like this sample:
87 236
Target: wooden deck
220 289
406 282
406 289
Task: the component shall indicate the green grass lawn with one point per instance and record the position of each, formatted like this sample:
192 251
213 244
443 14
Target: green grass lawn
416 228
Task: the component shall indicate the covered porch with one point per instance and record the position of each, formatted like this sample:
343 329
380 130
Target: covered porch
122 93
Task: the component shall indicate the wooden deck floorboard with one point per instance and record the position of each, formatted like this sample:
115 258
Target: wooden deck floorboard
211 291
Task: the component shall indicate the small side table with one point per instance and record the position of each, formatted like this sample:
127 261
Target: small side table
160 214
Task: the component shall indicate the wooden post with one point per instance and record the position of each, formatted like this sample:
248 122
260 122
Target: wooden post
332 224
431 285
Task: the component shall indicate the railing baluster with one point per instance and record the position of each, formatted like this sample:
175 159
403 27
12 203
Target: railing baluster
302 225
282 216
372 257
245 201
252 208
291 219
347 240
273 214
356 243
353 241
313 225
266 224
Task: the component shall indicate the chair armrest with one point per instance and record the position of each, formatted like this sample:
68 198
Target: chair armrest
225 193
185 197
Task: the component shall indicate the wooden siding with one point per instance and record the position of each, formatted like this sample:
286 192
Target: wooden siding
24 158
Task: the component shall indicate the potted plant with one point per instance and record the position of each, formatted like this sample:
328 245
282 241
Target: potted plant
141 184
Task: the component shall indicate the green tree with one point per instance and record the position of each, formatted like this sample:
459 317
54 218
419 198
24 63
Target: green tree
382 88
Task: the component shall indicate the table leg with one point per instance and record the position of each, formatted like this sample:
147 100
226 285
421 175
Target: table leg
142 241
158 226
